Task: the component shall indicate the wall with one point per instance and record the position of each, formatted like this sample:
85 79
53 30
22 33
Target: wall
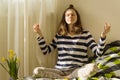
94 14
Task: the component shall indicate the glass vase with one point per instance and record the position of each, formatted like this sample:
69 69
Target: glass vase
13 78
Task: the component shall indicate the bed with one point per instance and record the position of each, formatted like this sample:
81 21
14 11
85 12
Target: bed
108 65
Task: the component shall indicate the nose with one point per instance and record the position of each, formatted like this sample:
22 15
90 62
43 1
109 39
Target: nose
70 16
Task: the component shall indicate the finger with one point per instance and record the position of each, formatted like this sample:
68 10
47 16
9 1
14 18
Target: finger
108 24
36 26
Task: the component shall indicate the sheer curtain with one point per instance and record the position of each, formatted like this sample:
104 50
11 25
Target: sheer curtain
48 25
16 20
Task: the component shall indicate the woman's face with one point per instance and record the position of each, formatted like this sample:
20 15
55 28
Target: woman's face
70 17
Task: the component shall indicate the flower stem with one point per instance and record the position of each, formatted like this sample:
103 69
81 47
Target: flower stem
4 67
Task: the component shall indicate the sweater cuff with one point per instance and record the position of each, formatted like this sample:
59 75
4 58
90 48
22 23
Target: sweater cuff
103 38
39 38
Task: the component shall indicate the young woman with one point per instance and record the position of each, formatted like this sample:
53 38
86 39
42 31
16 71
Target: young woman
72 43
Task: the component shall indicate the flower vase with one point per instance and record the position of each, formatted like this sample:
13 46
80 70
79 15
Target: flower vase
11 78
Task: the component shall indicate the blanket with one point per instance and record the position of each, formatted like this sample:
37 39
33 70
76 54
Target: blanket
108 64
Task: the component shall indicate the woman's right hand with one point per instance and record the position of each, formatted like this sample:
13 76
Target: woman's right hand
37 29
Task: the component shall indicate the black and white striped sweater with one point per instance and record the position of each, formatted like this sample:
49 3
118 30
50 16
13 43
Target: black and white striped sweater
72 51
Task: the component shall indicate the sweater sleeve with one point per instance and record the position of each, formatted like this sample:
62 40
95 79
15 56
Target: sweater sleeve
96 48
47 48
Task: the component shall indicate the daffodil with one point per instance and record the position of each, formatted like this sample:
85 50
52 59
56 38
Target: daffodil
12 64
3 59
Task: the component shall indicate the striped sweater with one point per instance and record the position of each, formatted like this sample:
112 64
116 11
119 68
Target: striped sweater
72 51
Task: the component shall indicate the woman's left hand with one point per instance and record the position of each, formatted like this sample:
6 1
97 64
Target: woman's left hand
107 27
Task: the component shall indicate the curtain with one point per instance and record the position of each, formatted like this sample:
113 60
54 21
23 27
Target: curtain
16 31
48 23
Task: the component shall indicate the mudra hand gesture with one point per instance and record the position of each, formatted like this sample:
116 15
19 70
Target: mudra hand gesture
107 27
37 30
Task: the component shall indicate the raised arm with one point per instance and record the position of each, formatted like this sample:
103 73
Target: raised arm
98 48
45 48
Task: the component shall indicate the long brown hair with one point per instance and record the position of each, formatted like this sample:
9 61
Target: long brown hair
63 26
